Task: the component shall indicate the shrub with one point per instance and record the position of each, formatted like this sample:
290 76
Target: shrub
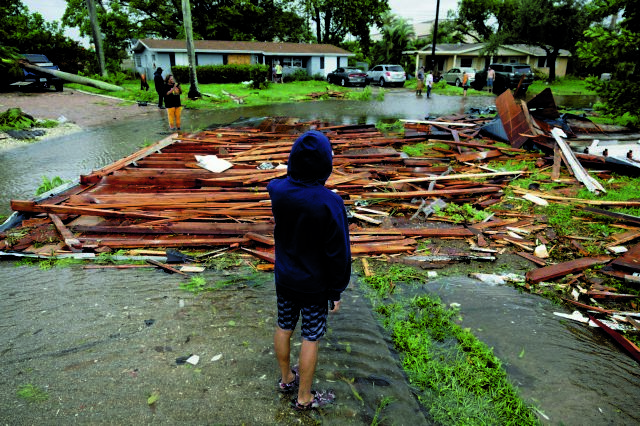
221 74
297 75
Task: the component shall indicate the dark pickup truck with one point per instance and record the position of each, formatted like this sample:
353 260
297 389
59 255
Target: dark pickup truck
33 78
508 76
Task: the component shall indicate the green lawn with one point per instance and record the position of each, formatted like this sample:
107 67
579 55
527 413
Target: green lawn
220 96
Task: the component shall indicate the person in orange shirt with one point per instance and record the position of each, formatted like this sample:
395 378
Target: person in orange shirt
465 83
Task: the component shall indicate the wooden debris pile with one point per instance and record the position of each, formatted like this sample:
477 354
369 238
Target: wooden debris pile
209 190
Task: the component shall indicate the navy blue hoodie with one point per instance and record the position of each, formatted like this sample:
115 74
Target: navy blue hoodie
313 255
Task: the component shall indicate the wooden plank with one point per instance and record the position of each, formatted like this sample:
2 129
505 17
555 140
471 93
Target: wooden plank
579 171
69 239
557 162
424 194
32 207
564 268
270 241
164 267
262 255
629 346
471 176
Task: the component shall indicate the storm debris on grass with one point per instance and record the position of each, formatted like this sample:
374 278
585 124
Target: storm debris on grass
408 195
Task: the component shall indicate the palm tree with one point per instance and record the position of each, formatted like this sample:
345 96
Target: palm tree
397 35
97 35
194 91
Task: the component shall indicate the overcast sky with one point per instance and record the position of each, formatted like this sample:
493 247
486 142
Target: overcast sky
412 10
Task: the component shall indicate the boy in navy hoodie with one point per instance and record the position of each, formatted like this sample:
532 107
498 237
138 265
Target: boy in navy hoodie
313 261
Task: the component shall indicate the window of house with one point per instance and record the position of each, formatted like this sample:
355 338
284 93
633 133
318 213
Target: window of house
225 59
542 62
172 59
321 62
138 61
466 62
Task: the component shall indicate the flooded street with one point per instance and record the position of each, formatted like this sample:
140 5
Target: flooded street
102 342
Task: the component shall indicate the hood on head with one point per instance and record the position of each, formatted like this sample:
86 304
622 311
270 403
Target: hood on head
310 159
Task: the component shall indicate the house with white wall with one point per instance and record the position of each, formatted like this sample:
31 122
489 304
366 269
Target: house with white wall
472 55
149 54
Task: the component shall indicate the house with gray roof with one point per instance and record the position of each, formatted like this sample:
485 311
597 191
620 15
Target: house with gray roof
471 55
149 54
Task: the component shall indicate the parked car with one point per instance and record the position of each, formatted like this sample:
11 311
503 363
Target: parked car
42 80
454 75
508 76
347 76
387 75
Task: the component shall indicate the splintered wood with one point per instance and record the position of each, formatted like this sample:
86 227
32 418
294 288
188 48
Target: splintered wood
166 196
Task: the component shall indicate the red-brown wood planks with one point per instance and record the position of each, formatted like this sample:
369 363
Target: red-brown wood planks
564 268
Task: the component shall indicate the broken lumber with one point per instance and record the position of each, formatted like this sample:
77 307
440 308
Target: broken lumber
565 268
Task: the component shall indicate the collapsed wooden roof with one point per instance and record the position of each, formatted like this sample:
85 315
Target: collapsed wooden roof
161 197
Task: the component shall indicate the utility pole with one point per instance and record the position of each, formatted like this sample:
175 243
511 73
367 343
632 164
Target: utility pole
194 91
435 37
97 36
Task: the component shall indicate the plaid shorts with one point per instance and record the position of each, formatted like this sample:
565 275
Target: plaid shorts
314 318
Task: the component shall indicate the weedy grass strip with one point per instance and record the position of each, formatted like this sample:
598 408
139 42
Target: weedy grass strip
460 380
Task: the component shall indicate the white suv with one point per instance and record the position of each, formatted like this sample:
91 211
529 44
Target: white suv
387 75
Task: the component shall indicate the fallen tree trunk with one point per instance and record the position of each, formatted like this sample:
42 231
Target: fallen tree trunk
73 78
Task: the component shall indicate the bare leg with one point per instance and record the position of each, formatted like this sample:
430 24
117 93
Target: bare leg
308 361
282 345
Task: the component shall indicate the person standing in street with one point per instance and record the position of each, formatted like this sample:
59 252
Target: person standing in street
313 262
172 92
491 76
429 83
159 83
465 83
420 81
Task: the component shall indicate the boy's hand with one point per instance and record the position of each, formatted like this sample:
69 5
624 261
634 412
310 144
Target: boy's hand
335 306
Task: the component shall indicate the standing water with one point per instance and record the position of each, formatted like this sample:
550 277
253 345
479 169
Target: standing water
103 344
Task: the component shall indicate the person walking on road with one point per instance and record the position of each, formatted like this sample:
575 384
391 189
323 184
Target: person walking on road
172 92
313 262
158 82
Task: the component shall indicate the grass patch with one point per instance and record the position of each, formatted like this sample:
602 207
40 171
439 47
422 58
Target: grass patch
32 393
562 86
216 98
464 213
49 184
459 379
423 149
397 127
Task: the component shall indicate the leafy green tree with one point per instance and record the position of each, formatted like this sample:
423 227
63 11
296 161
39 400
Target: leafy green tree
334 19
24 32
397 36
615 49
549 24
261 20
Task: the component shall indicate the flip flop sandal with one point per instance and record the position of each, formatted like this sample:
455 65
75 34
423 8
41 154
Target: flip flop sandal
290 387
320 399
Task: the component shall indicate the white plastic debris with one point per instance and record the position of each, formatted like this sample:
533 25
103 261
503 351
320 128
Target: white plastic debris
541 251
213 163
62 119
193 359
432 274
617 249
216 357
575 316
